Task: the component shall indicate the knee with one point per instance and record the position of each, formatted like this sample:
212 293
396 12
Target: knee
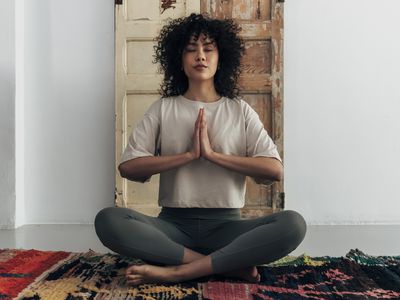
296 223
103 215
103 219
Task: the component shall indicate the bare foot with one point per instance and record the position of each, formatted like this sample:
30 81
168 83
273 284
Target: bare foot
138 274
250 274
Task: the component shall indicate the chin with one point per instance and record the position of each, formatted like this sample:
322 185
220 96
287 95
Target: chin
200 77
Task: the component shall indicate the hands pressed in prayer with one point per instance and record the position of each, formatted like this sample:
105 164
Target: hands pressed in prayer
201 146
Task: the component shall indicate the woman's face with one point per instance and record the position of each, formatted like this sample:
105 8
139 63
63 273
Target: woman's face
200 59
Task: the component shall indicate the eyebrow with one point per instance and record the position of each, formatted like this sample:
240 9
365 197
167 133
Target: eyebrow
205 44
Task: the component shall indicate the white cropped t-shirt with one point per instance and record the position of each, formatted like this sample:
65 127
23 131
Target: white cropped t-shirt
233 128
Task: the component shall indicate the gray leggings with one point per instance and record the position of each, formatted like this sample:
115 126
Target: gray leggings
232 242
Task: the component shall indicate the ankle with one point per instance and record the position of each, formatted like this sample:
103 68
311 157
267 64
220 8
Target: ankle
190 255
177 273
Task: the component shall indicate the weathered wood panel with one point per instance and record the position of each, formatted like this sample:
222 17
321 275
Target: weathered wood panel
137 81
261 81
258 57
238 9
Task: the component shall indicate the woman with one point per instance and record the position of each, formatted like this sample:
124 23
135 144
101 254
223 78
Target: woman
204 141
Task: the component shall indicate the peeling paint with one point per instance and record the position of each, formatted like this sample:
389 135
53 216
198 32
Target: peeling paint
166 4
261 83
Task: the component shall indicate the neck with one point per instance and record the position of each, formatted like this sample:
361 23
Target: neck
204 92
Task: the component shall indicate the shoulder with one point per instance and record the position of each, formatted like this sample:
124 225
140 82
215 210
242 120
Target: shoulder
235 102
166 101
239 101
154 107
245 107
159 105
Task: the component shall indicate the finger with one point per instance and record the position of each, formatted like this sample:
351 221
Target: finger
198 120
197 126
203 115
203 123
199 115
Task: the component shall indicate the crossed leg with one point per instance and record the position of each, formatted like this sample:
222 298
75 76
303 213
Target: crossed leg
241 245
194 265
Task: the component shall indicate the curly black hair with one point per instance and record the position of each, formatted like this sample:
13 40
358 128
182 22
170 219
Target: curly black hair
173 39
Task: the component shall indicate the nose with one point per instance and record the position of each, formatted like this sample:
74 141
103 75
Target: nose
200 55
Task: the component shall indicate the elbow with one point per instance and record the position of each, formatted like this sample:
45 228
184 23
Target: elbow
273 172
278 172
125 173
122 171
270 177
279 175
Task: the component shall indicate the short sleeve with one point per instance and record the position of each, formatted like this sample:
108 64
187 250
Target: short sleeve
144 139
258 142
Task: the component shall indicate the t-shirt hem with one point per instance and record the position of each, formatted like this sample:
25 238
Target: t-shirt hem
178 205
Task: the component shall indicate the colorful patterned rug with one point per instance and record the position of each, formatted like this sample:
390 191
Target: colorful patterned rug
42 275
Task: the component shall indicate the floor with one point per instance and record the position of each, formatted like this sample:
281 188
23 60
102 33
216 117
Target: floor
320 240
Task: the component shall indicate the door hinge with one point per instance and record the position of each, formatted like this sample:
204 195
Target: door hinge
280 1
118 2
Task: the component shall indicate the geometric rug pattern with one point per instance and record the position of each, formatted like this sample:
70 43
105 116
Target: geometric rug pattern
41 275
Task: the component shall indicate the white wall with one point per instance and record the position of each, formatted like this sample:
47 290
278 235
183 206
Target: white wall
69 110
341 104
7 115
342 108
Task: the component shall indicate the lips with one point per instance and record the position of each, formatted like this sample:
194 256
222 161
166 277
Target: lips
200 67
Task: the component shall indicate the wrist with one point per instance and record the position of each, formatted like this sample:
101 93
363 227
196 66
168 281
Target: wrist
212 156
190 156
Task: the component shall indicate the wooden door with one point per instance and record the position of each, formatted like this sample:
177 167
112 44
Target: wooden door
261 81
137 23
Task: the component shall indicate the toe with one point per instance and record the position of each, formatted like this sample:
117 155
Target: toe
134 281
130 270
135 270
133 277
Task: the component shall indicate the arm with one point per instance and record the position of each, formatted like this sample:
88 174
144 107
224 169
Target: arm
141 168
261 167
258 167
